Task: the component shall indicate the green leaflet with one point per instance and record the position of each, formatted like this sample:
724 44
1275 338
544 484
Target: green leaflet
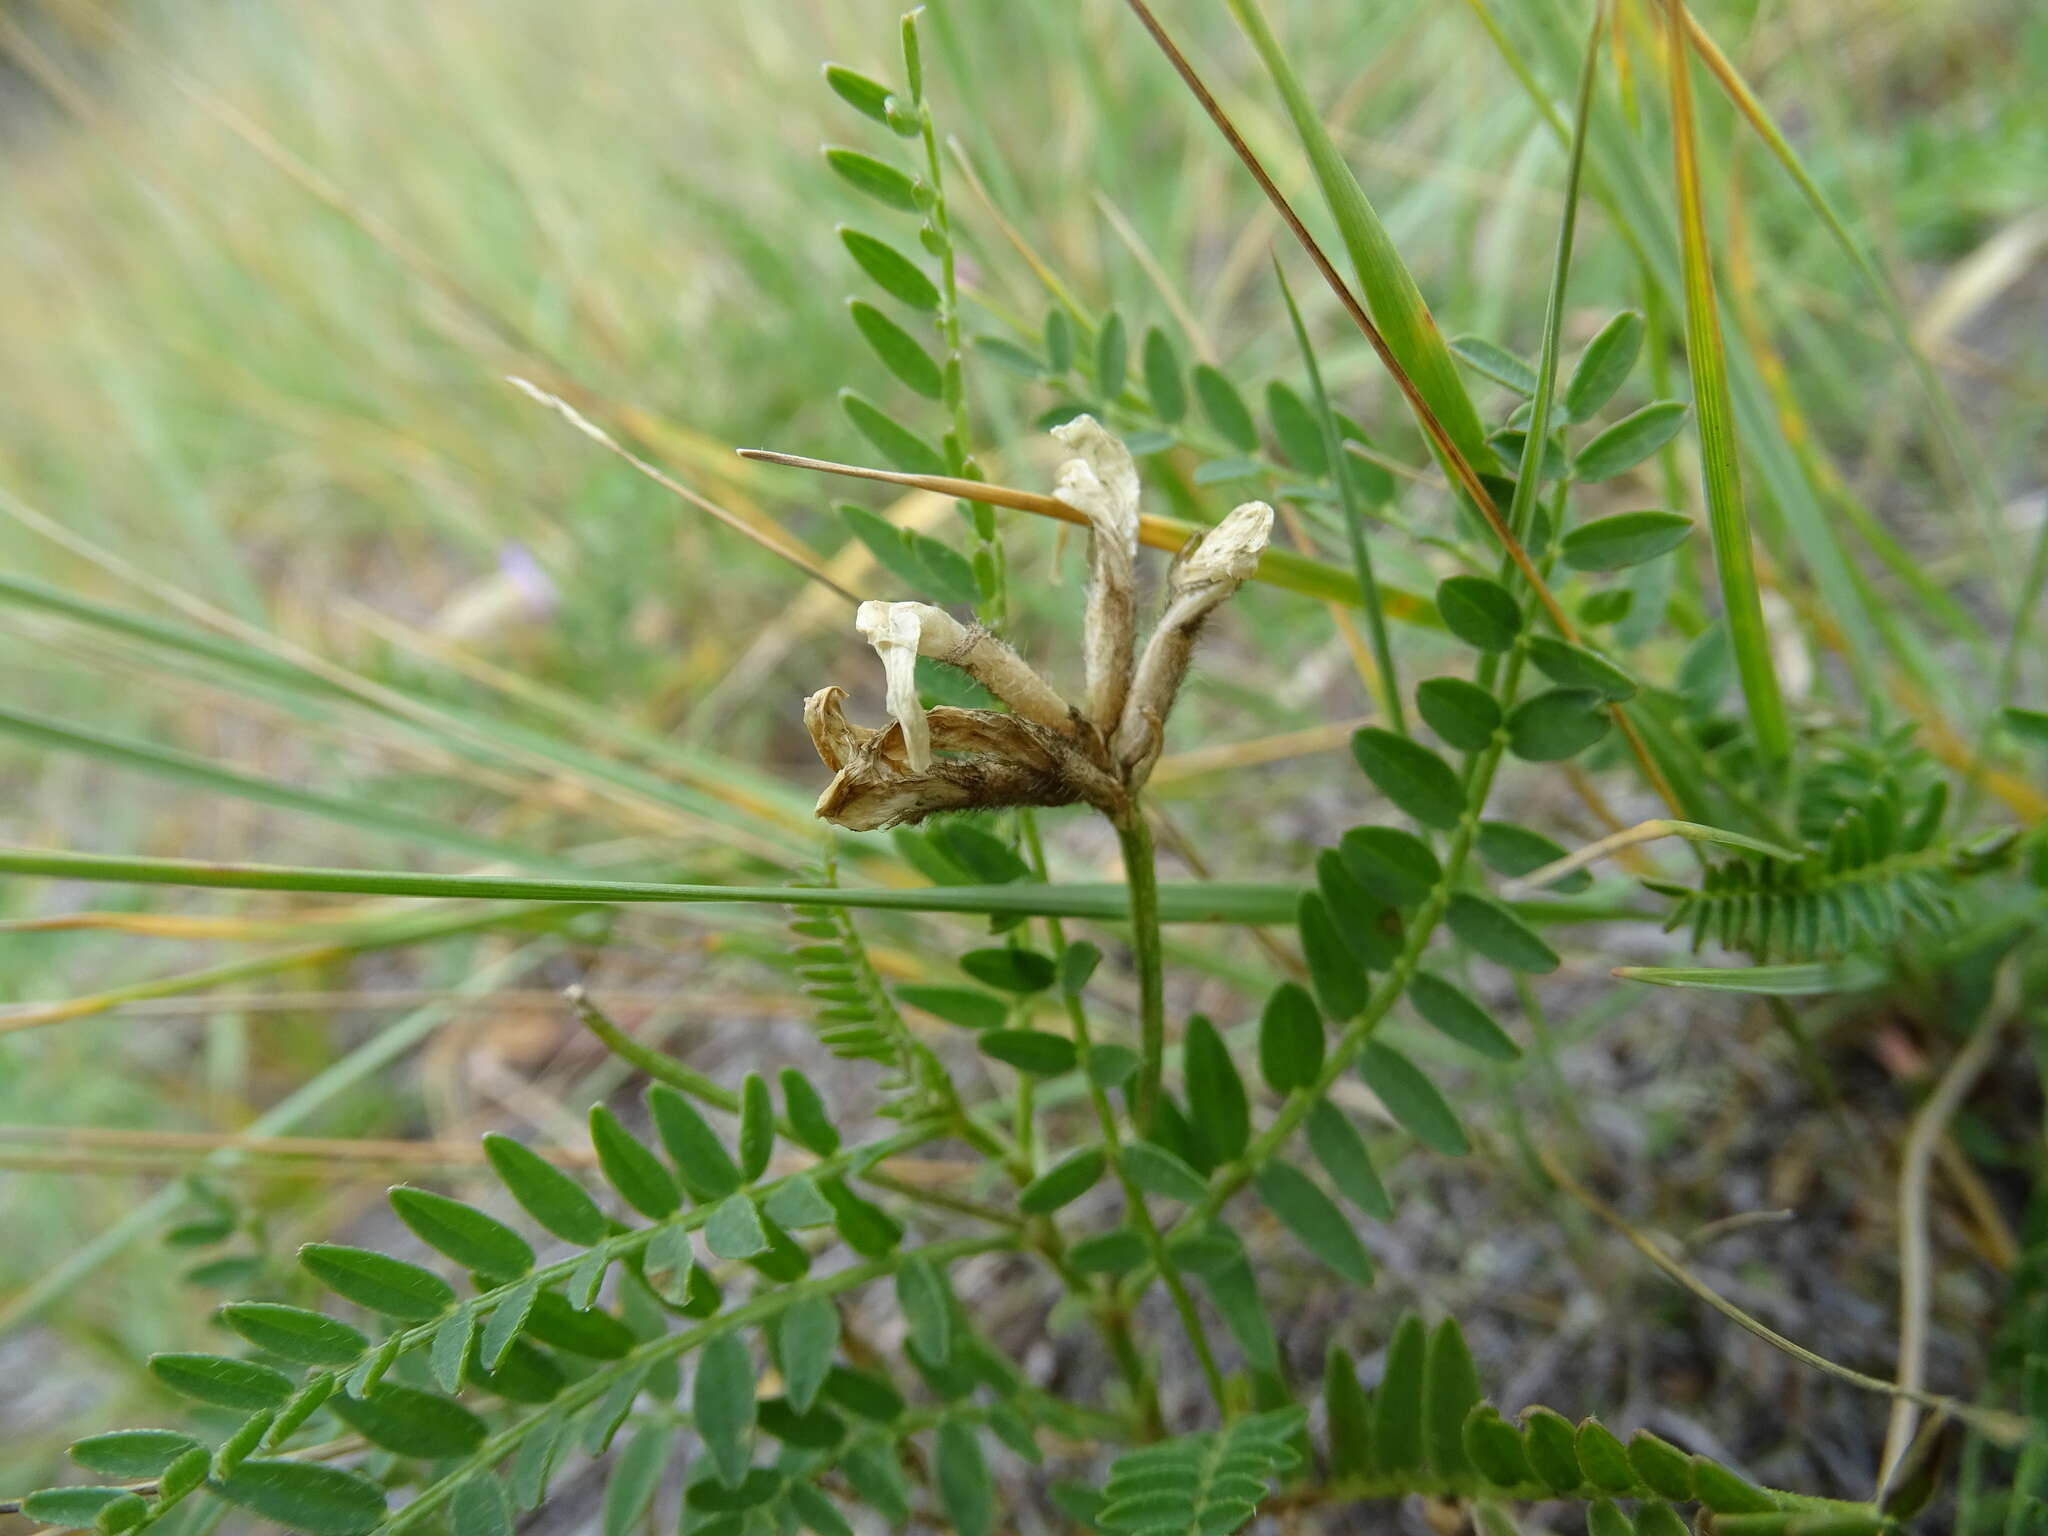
463 1233
551 1197
1412 1099
377 1282
1314 1218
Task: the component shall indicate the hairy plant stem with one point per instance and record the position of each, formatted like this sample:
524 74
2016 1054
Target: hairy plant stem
1141 875
1112 1315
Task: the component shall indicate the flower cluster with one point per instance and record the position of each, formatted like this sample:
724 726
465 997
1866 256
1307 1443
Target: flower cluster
1044 750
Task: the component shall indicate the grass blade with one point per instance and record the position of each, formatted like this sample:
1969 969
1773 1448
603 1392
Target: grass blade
1727 514
1189 902
1390 292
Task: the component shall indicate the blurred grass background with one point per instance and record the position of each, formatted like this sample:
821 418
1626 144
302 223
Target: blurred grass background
266 263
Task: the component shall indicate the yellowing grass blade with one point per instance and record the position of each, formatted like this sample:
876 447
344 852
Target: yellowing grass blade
1728 516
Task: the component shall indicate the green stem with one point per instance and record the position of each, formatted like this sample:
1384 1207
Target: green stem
1148 1229
1141 877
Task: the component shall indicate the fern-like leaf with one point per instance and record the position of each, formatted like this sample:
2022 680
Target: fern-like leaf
1200 1485
856 1018
1869 878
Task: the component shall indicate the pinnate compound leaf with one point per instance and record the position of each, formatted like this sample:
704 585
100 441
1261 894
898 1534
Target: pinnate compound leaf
1206 1483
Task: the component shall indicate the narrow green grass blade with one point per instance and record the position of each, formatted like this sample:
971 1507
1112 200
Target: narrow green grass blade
1528 477
185 768
1968 460
362 940
1727 514
1183 903
1812 979
1391 295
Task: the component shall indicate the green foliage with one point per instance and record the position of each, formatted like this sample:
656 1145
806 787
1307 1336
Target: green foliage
701 1329
1210 1483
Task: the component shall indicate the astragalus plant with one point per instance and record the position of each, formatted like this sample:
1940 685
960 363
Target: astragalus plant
1779 734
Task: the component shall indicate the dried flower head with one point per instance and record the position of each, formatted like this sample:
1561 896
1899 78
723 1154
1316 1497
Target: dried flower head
1044 751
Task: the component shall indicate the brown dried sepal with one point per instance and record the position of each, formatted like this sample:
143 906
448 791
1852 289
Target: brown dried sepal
981 760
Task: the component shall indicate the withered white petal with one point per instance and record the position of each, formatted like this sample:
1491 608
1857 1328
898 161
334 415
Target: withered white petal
1230 551
1100 480
894 630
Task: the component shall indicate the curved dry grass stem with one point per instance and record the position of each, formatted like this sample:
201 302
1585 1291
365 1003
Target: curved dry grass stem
1997 1425
1916 1163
